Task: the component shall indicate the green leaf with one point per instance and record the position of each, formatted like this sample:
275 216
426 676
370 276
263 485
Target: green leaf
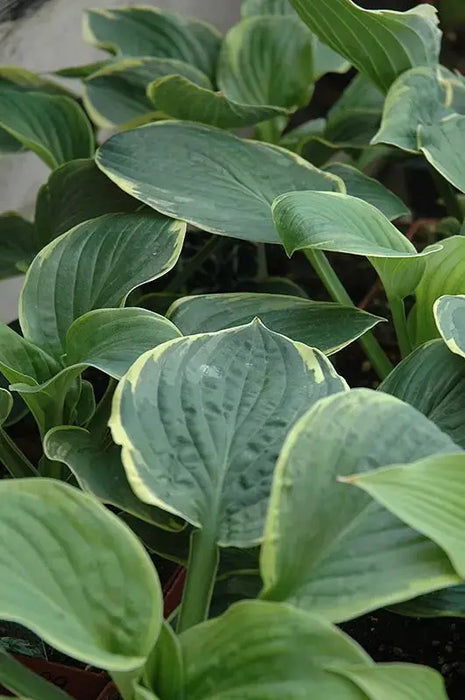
327 547
432 380
449 312
76 192
181 98
6 404
428 495
444 275
52 126
255 58
21 681
416 99
295 139
399 681
323 325
52 536
288 653
99 471
19 78
325 60
369 189
117 93
383 44
82 71
171 165
17 244
148 31
449 602
250 8
442 145
201 421
112 339
94 266
164 672
338 222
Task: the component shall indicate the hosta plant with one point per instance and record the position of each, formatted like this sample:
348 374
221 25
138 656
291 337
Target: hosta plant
215 430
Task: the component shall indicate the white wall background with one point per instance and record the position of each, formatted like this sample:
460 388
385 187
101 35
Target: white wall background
48 39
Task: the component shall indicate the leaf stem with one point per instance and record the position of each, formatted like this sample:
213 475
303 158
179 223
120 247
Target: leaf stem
378 358
448 195
213 245
15 462
201 574
400 324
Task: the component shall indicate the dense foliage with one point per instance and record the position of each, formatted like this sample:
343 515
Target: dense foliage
224 438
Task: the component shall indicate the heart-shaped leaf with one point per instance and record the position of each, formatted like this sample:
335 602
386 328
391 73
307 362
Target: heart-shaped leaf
344 224
148 31
327 547
117 93
52 126
370 190
254 60
99 471
94 266
171 165
432 380
17 244
449 312
322 325
76 192
383 44
291 654
428 495
201 421
444 274
53 535
181 98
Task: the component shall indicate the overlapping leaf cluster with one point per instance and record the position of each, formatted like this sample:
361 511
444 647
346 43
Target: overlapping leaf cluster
226 441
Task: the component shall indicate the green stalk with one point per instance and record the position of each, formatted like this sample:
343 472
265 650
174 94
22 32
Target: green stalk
15 462
201 574
448 195
400 324
213 245
375 353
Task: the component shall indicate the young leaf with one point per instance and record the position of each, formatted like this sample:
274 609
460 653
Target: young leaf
181 98
202 418
427 495
432 379
117 93
20 680
6 404
323 325
94 266
76 192
52 536
17 245
344 224
148 31
52 126
370 190
383 44
255 58
444 275
99 471
327 547
449 312
288 653
164 672
170 167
